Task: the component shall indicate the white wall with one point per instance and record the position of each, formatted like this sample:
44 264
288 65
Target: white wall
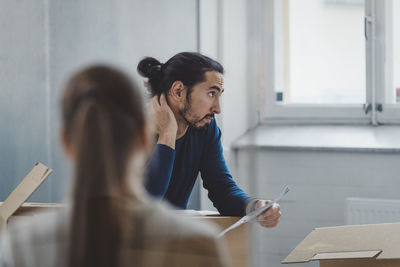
42 41
320 182
23 101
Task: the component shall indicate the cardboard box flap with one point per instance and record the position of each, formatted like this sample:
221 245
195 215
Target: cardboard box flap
355 238
28 208
24 190
347 255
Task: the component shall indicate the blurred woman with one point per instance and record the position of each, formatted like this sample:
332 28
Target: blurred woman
111 221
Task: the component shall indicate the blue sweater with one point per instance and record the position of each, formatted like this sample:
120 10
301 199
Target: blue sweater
171 174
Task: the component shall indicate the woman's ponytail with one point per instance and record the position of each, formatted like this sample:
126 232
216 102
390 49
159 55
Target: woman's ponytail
95 221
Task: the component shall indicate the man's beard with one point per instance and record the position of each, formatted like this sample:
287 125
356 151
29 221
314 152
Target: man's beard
193 123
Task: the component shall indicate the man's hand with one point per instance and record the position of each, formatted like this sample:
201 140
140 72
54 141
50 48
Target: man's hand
270 217
165 122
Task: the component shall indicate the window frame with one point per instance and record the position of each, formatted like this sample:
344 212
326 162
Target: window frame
377 74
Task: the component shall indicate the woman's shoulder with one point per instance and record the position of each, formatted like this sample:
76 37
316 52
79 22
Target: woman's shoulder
38 227
39 238
183 240
162 218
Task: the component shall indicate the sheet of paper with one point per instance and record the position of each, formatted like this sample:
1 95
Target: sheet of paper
254 214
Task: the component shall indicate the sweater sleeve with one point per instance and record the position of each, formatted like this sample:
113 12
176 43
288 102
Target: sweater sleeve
226 196
159 170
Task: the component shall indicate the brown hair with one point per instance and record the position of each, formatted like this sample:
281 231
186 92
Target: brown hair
103 120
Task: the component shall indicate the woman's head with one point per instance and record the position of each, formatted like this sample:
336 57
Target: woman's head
187 67
104 129
101 107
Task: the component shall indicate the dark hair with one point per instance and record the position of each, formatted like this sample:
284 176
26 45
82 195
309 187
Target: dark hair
103 119
187 67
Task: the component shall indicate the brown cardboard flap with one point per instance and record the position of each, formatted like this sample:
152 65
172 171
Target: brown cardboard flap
24 190
346 255
372 237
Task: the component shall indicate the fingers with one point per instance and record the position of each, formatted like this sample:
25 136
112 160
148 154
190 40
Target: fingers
163 100
270 218
155 103
159 102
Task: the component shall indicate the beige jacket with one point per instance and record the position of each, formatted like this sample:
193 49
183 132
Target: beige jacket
162 239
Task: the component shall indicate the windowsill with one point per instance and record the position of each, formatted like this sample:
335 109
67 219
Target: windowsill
364 138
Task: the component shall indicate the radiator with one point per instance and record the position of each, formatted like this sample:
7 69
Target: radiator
372 210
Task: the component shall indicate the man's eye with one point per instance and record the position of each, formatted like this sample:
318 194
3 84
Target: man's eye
211 94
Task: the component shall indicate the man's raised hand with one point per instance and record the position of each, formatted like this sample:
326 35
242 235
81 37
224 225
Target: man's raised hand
165 122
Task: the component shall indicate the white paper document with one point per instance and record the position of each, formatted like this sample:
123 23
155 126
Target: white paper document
252 215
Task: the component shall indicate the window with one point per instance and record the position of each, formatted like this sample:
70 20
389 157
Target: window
334 60
321 65
396 51
393 51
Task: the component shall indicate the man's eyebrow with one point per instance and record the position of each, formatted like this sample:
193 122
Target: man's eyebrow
217 88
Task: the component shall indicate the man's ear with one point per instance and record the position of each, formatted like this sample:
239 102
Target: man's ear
177 93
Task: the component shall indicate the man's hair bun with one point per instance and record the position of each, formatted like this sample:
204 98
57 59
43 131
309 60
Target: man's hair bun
151 68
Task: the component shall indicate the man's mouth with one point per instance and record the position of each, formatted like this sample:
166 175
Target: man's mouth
208 117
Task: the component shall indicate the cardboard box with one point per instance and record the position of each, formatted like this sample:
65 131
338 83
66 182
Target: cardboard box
22 192
373 245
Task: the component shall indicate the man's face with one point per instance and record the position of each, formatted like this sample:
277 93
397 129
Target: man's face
204 101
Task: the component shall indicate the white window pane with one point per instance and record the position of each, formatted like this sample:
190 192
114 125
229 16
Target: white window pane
323 52
396 49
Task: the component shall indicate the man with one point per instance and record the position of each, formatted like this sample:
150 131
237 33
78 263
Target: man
186 94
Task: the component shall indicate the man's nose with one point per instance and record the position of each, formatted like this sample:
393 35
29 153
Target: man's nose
217 107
